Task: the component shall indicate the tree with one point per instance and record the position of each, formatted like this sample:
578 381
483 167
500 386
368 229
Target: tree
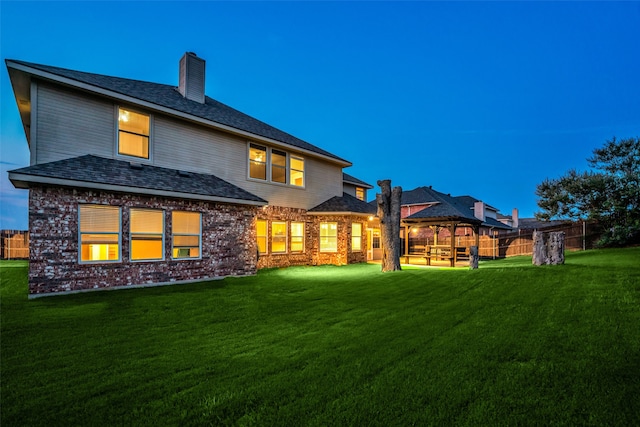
389 213
608 193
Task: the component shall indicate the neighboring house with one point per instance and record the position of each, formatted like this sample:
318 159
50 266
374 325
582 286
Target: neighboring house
137 183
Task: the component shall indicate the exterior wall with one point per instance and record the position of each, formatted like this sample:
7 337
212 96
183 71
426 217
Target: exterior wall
71 124
312 254
344 254
228 242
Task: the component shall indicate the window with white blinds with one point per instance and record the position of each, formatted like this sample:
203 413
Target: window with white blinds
100 233
147 234
187 234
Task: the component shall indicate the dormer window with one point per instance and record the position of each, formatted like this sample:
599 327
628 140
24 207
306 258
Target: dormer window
133 133
360 193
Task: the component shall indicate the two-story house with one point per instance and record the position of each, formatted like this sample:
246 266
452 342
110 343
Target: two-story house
133 183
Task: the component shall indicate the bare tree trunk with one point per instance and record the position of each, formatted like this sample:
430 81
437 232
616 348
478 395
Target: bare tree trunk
473 257
548 248
389 214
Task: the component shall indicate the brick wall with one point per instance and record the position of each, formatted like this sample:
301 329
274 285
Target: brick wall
228 242
312 254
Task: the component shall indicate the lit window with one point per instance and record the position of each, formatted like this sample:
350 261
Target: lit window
356 236
186 234
99 233
133 134
297 236
278 166
147 234
296 165
261 235
257 162
278 237
328 237
360 193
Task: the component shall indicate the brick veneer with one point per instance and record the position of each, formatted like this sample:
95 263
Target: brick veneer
312 254
228 242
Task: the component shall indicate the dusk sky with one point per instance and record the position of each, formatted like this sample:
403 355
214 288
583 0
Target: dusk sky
473 98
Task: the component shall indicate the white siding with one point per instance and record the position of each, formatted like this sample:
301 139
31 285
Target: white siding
71 125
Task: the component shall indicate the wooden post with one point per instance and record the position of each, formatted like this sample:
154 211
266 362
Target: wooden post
452 254
473 257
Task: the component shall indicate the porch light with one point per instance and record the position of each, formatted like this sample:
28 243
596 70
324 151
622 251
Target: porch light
370 217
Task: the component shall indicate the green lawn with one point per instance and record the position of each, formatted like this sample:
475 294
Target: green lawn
507 344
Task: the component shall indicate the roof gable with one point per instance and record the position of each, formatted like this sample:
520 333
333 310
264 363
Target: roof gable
350 179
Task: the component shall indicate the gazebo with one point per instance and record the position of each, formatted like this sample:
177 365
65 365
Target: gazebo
444 212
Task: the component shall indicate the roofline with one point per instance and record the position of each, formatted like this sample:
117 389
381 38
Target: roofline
115 95
423 203
358 184
341 213
21 180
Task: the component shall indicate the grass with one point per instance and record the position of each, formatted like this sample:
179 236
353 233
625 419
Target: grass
508 344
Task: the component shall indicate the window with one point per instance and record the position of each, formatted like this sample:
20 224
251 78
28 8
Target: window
133 134
147 234
297 236
356 236
278 237
261 235
283 167
328 237
186 234
296 171
375 244
257 162
99 233
360 193
278 166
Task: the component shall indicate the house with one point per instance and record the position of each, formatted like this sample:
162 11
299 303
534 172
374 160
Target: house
134 183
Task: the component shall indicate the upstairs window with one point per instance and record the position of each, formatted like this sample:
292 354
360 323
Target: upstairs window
187 234
272 165
279 166
133 134
296 171
99 233
360 193
257 162
147 234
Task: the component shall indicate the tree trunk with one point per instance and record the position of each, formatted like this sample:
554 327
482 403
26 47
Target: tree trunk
389 214
548 248
473 257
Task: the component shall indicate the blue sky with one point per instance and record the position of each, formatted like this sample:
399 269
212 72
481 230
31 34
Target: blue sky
480 98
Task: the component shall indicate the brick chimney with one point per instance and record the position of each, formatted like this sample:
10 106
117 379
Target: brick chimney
191 84
514 218
478 210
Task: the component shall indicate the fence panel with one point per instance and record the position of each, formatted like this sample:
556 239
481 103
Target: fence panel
14 244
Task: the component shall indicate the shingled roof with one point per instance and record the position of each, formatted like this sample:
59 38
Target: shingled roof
167 96
117 175
346 203
350 179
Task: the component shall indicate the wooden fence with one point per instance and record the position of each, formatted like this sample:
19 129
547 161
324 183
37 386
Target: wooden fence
14 244
578 236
